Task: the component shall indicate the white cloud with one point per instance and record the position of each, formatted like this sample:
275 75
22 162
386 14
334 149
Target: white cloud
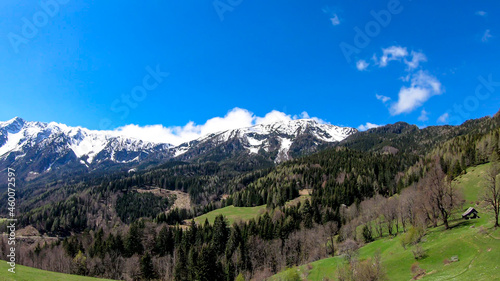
333 13
392 53
272 117
362 65
486 36
423 86
405 78
444 118
235 118
424 116
335 20
305 115
416 58
481 13
398 53
382 98
367 126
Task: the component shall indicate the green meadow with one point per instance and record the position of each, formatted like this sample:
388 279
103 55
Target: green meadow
24 273
232 214
475 242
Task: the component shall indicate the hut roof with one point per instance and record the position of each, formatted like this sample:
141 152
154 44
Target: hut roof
469 211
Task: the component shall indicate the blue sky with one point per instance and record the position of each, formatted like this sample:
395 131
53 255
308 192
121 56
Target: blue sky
88 63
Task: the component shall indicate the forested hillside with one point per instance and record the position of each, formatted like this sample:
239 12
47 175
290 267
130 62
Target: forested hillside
115 226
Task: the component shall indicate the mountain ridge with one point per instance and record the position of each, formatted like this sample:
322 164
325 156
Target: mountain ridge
38 147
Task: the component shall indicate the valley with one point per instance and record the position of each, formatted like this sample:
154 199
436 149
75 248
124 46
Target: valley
233 140
367 196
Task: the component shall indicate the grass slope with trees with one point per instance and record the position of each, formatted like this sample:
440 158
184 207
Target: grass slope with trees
24 273
475 242
371 187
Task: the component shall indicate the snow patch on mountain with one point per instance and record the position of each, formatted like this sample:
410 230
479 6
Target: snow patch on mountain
52 145
18 136
89 145
12 143
285 145
257 137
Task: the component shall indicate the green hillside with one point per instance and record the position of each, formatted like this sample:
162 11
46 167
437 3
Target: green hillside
232 214
24 273
475 242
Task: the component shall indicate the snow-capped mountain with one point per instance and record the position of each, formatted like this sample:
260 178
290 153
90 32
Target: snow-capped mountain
279 141
36 148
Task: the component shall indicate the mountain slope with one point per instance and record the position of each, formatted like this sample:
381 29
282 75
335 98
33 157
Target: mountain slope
277 142
34 148
404 137
475 242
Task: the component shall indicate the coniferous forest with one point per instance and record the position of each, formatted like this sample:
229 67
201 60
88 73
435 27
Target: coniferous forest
387 181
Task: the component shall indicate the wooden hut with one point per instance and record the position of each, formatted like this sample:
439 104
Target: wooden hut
471 213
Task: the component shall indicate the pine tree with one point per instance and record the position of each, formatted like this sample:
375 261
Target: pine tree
164 242
133 242
220 234
208 267
180 269
147 268
367 234
307 214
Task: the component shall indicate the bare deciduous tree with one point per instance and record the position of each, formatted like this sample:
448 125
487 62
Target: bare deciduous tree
390 212
331 229
492 189
369 269
349 248
442 194
379 202
407 206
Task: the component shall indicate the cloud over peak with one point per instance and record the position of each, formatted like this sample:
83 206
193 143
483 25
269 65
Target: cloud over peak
234 119
367 126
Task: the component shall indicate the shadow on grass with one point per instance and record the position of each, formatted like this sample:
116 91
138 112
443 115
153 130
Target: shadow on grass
461 223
